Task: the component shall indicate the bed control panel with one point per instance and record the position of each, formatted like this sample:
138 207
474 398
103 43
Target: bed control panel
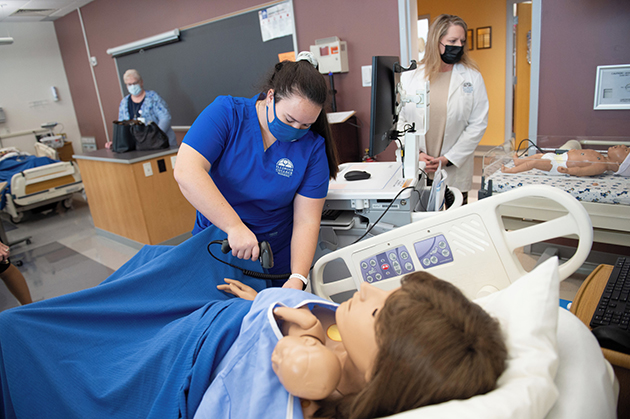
393 262
433 252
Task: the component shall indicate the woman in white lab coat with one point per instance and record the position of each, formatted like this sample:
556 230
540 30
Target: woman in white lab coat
458 112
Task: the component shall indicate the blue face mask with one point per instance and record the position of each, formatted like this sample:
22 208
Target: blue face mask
134 89
281 131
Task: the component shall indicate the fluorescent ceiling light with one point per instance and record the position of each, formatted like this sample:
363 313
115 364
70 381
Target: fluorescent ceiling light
6 40
154 41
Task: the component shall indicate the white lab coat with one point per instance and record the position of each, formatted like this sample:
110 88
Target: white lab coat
466 119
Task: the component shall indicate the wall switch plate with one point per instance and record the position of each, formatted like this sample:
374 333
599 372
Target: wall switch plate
366 75
148 171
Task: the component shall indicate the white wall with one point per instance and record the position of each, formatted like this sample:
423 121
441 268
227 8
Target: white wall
28 69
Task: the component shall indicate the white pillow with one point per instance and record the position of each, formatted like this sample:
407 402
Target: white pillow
528 313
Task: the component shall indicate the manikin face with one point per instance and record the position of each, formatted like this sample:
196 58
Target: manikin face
356 319
455 35
293 110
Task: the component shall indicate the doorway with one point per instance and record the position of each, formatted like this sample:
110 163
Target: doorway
522 69
521 53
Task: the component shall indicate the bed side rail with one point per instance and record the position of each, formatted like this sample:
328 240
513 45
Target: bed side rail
468 246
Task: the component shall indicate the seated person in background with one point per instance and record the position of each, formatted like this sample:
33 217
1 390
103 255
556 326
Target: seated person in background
144 105
13 278
160 339
577 162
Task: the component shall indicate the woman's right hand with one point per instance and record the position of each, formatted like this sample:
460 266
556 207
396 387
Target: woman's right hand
431 164
244 243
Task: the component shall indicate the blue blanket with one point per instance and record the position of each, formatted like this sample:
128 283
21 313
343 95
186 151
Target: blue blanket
17 164
140 345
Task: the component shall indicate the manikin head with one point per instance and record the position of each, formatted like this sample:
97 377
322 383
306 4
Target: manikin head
432 345
618 153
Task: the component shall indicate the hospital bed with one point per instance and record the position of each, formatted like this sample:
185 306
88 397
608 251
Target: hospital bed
556 368
49 182
606 197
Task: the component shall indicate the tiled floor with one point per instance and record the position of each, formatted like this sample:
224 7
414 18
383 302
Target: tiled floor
65 253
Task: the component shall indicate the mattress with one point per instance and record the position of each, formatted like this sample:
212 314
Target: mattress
606 188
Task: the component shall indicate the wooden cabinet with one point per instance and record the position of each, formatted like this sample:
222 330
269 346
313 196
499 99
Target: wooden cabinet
136 196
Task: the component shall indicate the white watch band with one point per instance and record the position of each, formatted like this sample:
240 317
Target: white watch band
300 277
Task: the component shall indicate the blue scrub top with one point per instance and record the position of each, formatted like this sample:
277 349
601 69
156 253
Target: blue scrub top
259 184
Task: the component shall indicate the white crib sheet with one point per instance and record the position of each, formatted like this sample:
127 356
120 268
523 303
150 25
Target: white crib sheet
606 188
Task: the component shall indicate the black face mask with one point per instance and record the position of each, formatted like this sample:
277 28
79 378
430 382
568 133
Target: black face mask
452 54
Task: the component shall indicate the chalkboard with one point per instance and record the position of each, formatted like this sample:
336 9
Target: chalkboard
223 57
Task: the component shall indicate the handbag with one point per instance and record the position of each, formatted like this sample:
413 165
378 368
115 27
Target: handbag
149 137
123 140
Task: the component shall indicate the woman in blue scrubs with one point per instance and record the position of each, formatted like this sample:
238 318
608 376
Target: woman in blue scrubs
258 168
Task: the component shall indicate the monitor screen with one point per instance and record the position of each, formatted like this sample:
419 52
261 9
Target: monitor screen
383 117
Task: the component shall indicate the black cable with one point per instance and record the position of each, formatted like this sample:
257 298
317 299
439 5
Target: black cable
383 214
253 274
525 151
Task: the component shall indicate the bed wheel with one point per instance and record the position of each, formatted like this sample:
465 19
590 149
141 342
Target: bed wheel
67 203
15 220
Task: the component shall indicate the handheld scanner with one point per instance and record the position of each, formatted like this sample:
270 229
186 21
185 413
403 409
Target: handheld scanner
265 256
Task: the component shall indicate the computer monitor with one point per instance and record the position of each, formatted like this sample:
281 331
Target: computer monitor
383 116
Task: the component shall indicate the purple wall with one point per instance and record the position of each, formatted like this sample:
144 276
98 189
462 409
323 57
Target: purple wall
577 36
369 27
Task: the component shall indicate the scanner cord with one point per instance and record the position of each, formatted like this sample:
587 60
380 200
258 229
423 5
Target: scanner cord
253 274
385 212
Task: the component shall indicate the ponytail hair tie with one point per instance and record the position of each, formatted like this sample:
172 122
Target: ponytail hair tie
308 56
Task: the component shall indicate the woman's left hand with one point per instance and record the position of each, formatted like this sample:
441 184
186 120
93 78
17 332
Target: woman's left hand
239 289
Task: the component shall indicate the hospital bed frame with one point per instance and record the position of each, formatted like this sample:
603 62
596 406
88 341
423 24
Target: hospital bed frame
483 260
39 186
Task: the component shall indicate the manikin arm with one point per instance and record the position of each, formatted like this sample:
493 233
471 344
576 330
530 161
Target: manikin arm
303 364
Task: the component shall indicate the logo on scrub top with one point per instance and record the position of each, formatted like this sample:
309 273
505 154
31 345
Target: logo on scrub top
284 167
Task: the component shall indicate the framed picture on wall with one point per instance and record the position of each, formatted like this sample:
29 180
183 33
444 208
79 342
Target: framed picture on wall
612 87
470 40
484 37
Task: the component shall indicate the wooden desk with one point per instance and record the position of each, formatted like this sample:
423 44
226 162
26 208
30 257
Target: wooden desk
343 126
583 307
125 201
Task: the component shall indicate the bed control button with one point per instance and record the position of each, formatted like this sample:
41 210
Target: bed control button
379 277
409 266
404 255
434 259
426 262
369 279
364 265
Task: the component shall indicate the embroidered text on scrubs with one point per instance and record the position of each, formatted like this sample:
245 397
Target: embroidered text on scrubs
284 167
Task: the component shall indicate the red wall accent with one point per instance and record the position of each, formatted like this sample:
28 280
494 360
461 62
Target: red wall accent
577 36
370 27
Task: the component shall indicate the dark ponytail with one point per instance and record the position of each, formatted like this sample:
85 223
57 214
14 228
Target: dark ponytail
303 79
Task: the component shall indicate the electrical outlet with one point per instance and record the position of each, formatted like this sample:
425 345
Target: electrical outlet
93 61
148 171
173 159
